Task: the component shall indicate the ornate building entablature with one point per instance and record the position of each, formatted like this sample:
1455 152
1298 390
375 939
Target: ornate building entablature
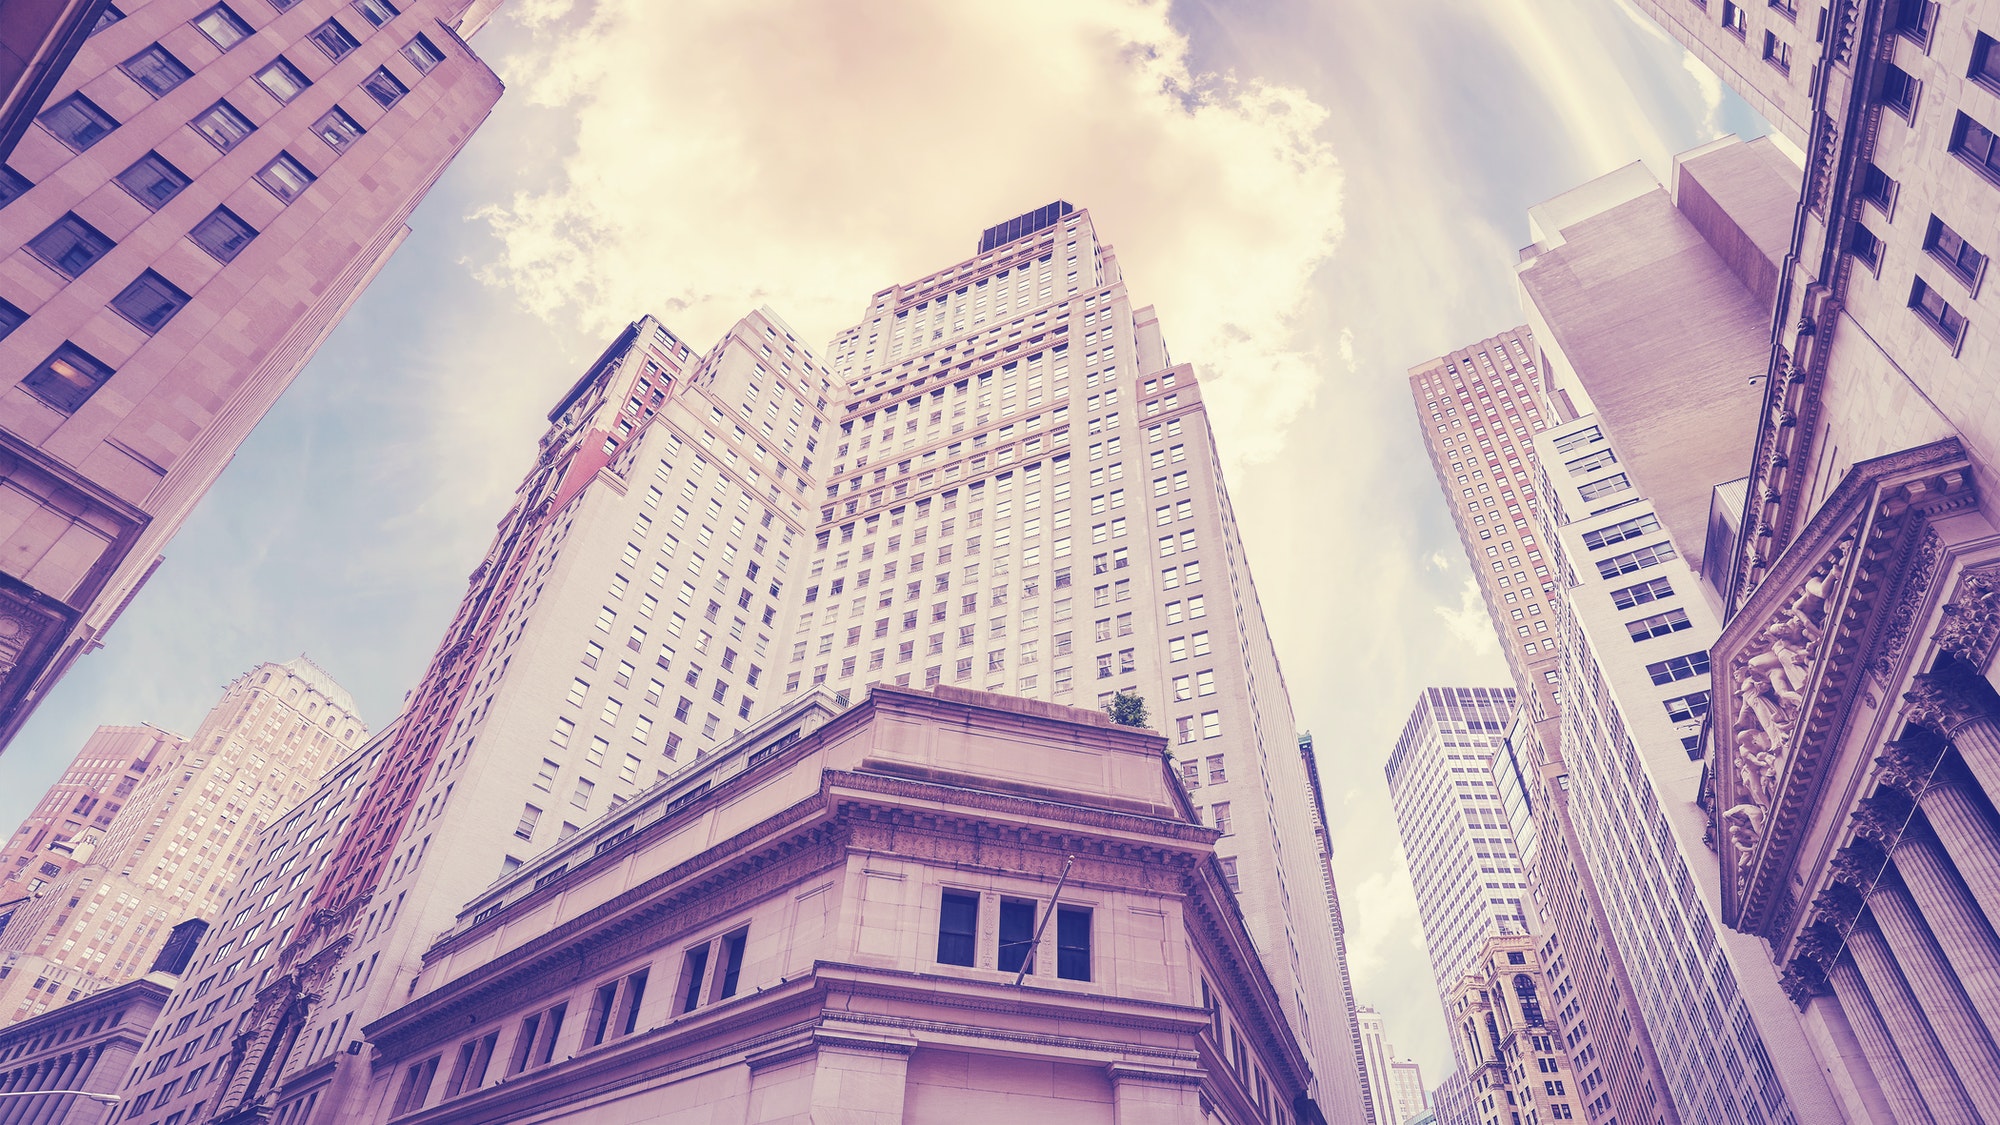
1889 574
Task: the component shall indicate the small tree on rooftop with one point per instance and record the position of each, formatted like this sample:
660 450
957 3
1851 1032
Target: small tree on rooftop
1127 709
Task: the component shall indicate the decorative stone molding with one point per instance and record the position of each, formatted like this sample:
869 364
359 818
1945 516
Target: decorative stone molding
1971 626
1839 904
1859 865
1881 819
1946 702
1802 980
1916 591
1910 764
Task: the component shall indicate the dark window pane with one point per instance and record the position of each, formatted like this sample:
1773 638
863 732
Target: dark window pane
1985 61
732 964
224 127
697 965
385 88
223 27
10 318
1977 145
958 921
376 12
423 54
77 122
283 80
284 5
286 177
337 129
150 301
106 18
156 70
222 234
1073 943
153 181
70 245
67 379
334 39
1017 933
13 185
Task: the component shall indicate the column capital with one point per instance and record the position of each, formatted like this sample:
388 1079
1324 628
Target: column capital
1910 763
1802 980
1858 866
1881 818
1946 702
1971 620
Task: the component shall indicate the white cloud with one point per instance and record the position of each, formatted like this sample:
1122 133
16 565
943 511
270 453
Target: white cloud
808 152
1469 622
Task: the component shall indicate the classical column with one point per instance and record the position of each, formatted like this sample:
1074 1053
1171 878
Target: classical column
56 1106
1960 707
1936 986
1929 1067
1948 911
1883 1058
1915 765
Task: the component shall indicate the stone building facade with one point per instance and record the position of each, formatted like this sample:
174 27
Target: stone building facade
1853 787
939 906
207 190
1517 1071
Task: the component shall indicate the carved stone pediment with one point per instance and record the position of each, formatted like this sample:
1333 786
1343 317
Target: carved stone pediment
1790 665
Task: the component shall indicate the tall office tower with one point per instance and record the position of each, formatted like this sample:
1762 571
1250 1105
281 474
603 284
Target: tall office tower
1479 408
187 1052
1854 748
1325 845
1636 631
1517 1069
1406 1086
1375 1052
175 848
209 189
1463 859
1451 1102
73 815
622 621
1011 424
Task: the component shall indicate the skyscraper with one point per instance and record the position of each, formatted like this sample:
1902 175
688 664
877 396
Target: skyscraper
1025 496
174 849
64 828
1516 1066
1462 855
653 587
1480 408
208 190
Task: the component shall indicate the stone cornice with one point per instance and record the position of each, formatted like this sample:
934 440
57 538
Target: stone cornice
1788 665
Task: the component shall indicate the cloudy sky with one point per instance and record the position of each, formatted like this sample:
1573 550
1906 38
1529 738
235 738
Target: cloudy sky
1317 194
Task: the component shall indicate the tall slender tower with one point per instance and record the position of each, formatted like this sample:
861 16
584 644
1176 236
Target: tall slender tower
208 189
1025 496
175 848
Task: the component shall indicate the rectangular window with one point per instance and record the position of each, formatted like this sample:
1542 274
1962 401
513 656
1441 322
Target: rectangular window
223 27
149 302
77 122
283 80
334 39
1629 596
152 181
1958 255
1620 532
958 928
525 827
286 177
1866 248
1877 188
384 87
1976 145
70 245
1590 463
1985 68
224 127
67 379
1659 625
1685 708
628 1008
156 69
1640 559
1777 52
1899 91
731 969
376 12
1591 490
337 129
1570 443
1733 19
13 185
1073 943
1679 668
1017 933
1931 308
693 970
423 54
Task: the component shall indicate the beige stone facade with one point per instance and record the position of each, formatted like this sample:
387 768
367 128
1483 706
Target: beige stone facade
1517 1071
64 828
847 916
206 193
86 1046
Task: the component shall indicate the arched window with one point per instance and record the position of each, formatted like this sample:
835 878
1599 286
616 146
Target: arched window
1531 1005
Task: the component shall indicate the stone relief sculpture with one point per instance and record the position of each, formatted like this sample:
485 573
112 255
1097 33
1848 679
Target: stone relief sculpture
1770 677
